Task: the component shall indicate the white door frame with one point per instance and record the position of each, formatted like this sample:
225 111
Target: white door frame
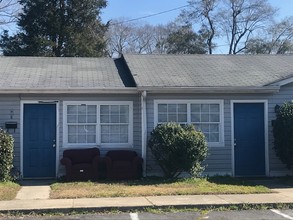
265 102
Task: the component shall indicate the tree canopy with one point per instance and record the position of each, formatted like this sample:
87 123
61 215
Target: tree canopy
57 28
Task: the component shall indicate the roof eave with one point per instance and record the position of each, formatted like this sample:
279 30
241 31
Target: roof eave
69 91
210 90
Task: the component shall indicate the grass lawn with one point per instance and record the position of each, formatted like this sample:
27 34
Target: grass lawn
154 187
8 190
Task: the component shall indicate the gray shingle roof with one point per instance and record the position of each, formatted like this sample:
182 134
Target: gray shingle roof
209 70
59 73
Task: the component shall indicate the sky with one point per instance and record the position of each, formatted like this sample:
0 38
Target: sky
138 8
132 9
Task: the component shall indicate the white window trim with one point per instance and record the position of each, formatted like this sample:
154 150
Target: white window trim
98 131
188 103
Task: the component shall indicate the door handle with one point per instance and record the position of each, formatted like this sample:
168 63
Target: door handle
54 143
235 143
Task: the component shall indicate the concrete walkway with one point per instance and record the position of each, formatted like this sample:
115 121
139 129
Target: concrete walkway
35 198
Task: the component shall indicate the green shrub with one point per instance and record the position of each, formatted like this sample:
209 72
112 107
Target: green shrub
283 134
6 155
178 149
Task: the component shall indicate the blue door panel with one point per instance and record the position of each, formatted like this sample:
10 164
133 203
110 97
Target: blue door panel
39 135
249 151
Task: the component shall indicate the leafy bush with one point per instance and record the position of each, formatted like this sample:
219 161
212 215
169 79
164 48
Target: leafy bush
283 134
6 155
178 149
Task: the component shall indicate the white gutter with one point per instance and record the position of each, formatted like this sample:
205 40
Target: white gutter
143 130
210 90
69 91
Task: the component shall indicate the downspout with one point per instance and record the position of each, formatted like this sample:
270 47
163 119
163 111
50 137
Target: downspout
143 130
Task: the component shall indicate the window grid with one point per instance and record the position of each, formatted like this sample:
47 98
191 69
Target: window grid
90 123
114 123
81 123
205 116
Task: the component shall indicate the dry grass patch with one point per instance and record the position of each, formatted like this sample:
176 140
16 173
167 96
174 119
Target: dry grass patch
151 187
8 190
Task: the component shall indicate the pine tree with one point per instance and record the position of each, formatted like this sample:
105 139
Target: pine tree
58 28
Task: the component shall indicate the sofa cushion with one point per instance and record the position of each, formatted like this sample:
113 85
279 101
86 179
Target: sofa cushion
78 156
121 155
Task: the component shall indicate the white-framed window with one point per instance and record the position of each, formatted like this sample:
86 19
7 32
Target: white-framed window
206 115
108 124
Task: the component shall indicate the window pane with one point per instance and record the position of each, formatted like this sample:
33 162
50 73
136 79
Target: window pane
172 108
205 107
81 138
195 117
114 109
205 128
215 118
72 129
124 138
214 128
162 118
214 137
71 119
91 129
195 107
205 118
214 107
81 129
182 108
71 109
182 117
72 139
105 109
123 129
115 138
91 118
81 118
162 108
115 129
105 119
105 138
172 118
91 109
82 109
105 129
91 139
124 109
124 118
114 119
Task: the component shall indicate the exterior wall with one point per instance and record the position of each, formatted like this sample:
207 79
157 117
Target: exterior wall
9 103
10 111
219 160
286 94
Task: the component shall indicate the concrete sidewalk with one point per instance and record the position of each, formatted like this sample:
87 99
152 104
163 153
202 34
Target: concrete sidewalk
280 195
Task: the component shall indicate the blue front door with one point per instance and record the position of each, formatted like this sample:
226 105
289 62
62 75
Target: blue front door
39 137
249 139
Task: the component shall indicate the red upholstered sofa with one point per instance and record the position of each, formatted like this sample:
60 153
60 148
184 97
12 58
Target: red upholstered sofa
123 164
81 164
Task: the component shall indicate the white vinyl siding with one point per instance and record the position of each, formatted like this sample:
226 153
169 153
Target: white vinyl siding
206 115
98 123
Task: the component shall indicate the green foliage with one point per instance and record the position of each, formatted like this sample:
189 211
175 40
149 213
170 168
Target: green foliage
283 134
186 41
178 149
58 28
6 155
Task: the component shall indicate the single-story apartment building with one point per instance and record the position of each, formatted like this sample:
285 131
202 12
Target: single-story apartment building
52 104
